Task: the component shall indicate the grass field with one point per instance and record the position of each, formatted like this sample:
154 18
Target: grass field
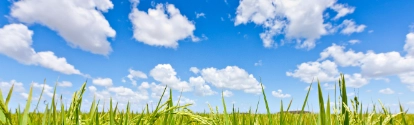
349 113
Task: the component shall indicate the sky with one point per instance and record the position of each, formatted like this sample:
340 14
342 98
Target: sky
131 49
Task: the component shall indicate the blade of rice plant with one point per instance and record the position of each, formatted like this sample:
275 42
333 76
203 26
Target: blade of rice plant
304 103
321 105
41 94
225 108
267 105
403 114
328 111
344 100
111 113
25 116
281 113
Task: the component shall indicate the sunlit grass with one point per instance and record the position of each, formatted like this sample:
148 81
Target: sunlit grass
166 112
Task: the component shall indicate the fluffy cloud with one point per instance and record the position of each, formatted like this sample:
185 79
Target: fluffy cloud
279 94
16 41
354 41
195 70
372 64
312 71
134 75
200 86
166 75
65 84
198 15
342 10
79 22
102 81
227 93
48 90
302 19
350 27
386 91
185 100
409 44
231 77
162 26
5 86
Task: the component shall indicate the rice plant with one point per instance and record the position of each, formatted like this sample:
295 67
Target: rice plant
349 112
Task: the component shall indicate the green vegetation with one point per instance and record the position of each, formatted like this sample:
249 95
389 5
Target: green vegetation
169 113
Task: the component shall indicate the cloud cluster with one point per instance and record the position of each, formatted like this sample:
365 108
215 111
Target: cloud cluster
372 65
302 20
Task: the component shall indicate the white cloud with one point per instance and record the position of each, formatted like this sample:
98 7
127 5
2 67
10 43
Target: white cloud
371 64
409 44
18 86
134 75
162 26
386 91
355 80
200 86
227 93
79 22
198 15
231 77
102 81
16 41
279 94
48 90
185 100
195 70
410 103
65 84
312 71
300 19
354 41
166 75
259 63
342 10
25 95
350 27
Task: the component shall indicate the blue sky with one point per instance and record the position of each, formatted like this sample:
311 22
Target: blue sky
130 50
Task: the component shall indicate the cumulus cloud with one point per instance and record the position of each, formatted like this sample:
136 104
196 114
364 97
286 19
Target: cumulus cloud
134 75
386 91
198 15
354 41
231 77
342 10
259 63
48 90
162 26
350 27
372 65
166 75
200 86
311 71
65 84
5 86
227 93
102 81
185 100
195 70
279 94
80 22
16 43
302 19
409 44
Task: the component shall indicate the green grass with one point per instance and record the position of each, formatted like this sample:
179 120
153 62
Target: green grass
166 112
